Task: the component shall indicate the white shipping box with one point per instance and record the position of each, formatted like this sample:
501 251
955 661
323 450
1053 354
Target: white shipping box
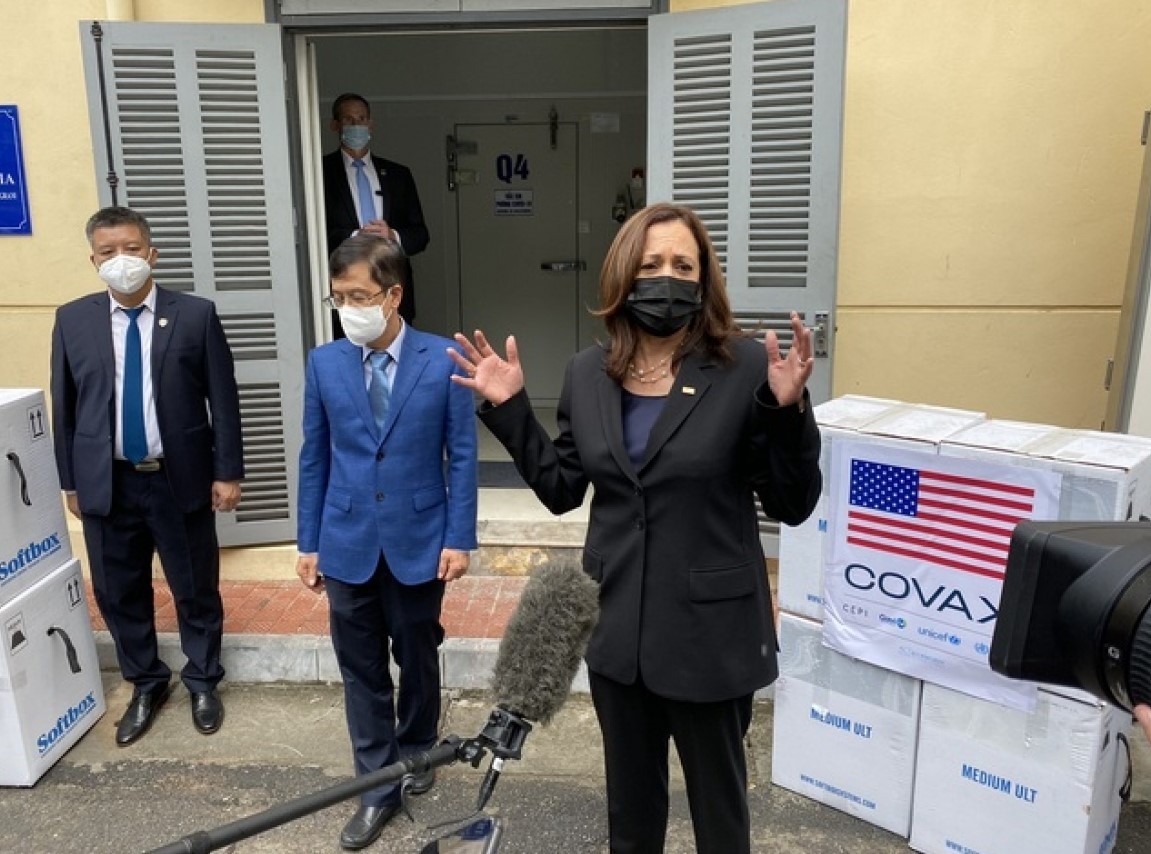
886 422
801 546
1106 476
50 688
33 532
844 730
994 780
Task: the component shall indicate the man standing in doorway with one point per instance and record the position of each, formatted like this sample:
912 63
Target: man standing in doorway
367 194
387 513
147 431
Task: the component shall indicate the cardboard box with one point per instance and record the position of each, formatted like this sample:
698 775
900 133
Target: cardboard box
801 546
886 422
33 532
993 780
844 731
1106 476
50 688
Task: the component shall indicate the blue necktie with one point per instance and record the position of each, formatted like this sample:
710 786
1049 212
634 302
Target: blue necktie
379 390
135 438
366 193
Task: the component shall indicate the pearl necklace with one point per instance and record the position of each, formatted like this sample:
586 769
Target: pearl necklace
654 374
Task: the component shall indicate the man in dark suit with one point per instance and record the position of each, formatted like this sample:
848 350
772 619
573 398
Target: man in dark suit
364 193
383 523
147 434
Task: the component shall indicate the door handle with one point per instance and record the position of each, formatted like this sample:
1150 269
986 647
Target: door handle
563 266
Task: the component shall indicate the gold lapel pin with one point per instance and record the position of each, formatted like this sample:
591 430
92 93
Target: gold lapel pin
688 389
163 321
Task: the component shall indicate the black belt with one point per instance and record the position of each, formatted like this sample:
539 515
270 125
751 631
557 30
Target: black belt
142 466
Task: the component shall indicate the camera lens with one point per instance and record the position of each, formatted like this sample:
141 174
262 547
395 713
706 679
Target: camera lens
1106 626
1139 682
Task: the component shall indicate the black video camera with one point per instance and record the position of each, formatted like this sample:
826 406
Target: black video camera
1074 609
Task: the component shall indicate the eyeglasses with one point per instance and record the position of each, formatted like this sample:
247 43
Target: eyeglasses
356 299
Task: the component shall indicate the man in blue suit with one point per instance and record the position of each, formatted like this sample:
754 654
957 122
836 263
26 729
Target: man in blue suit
147 433
383 522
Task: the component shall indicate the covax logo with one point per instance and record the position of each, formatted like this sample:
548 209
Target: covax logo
65 722
29 555
910 591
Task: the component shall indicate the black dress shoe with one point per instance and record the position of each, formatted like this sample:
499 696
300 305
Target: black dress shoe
417 784
207 711
365 826
138 718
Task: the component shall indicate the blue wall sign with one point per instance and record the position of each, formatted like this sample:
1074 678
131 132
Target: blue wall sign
14 217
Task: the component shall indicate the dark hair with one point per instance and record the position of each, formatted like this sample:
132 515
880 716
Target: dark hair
344 98
115 216
710 330
384 258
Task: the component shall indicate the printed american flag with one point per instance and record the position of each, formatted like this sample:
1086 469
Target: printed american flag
963 523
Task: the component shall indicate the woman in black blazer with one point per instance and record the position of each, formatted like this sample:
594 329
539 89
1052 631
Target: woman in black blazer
678 422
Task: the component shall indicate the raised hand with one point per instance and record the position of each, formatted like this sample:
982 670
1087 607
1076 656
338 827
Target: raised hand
787 376
494 378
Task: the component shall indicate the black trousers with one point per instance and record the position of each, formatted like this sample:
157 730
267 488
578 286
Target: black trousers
372 623
637 726
145 519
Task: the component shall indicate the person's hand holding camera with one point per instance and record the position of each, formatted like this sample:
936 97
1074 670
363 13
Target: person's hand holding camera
1143 715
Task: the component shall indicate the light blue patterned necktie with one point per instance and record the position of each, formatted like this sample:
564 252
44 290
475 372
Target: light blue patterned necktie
379 390
135 437
366 194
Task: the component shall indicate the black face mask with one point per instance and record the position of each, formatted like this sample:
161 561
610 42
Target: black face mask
664 305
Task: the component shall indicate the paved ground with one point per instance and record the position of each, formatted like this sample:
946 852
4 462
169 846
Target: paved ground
285 741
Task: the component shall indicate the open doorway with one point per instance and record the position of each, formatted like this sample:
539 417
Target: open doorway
557 116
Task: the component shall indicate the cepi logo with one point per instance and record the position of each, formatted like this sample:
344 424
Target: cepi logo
898 622
29 555
911 592
65 722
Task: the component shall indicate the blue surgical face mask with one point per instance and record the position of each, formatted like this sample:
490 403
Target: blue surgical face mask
356 137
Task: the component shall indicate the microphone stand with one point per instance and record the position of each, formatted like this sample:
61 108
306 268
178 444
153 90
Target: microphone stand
503 735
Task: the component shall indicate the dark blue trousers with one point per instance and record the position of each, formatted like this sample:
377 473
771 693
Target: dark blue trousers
372 624
144 520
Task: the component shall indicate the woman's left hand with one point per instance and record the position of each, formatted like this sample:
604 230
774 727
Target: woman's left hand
787 376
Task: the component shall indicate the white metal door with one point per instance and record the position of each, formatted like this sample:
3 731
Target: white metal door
519 248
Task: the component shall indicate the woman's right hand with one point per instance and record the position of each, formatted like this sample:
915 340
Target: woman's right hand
484 371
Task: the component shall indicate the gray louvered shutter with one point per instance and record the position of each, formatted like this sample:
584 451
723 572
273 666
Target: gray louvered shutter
196 116
745 114
745 118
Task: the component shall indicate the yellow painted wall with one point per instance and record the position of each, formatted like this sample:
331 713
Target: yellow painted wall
990 164
42 75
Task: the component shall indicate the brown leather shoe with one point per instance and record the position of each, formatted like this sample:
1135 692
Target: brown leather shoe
365 826
207 711
141 711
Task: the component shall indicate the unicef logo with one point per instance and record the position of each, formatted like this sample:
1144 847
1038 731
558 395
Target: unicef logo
982 648
942 637
898 622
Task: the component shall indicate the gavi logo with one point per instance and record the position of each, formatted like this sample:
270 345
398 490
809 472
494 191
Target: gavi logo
28 556
65 722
